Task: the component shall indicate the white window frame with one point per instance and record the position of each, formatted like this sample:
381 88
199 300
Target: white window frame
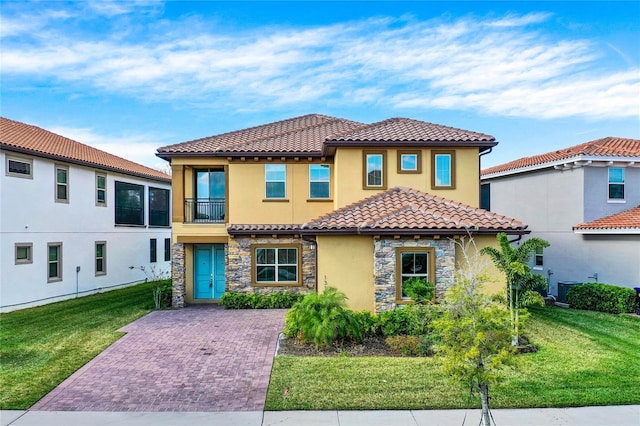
27 161
282 168
366 156
60 167
57 277
98 189
322 180
609 183
538 259
277 264
29 259
103 271
435 155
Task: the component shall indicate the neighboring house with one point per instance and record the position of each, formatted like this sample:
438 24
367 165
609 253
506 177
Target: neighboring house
74 219
584 201
314 201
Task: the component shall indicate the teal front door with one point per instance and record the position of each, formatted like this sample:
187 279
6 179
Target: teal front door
209 273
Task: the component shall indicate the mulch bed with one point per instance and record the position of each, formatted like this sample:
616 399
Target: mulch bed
371 346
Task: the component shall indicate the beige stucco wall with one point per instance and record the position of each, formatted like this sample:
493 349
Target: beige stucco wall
349 176
496 281
346 262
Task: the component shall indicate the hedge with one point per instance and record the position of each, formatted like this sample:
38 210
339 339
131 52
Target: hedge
602 298
284 300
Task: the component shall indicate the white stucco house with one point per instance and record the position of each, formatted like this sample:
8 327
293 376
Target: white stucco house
584 200
74 219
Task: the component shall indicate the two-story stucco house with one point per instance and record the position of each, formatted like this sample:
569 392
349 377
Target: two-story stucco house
318 201
74 219
585 201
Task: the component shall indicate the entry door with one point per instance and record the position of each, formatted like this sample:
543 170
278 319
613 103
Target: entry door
209 274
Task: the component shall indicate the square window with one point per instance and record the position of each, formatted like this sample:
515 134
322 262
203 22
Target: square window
412 263
374 170
275 180
409 161
276 265
24 253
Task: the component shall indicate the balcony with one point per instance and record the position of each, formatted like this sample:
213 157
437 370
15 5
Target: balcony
204 210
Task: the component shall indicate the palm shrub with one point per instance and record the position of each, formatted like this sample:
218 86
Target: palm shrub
323 319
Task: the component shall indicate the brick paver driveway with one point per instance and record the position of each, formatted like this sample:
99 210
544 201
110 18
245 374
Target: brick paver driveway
194 359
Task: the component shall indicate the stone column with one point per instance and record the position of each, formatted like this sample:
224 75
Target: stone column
178 276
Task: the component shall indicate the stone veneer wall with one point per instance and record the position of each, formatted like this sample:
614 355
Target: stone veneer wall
384 267
239 265
178 291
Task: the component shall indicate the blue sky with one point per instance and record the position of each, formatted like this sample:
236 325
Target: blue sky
129 77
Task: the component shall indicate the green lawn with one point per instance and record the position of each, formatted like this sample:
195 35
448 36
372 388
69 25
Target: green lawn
585 358
40 347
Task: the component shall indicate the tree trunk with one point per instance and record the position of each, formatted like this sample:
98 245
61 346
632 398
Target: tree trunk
484 396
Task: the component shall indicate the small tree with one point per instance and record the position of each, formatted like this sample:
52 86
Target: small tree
512 261
475 333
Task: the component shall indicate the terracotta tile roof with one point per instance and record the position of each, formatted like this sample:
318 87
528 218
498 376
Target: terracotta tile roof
605 147
302 135
246 229
626 220
408 130
21 137
403 210
312 134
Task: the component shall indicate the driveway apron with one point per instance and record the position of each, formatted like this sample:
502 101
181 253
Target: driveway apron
200 358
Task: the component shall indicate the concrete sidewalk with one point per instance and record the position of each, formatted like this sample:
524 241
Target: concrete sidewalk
626 415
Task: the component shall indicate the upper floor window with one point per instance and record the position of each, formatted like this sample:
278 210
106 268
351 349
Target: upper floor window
319 181
616 183
158 207
129 204
374 170
101 189
24 253
409 162
19 167
275 176
54 271
101 257
443 169
62 184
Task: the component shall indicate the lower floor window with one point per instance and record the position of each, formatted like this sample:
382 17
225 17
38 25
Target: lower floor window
413 263
276 264
101 258
54 272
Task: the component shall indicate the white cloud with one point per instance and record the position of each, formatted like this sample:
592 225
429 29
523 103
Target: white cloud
498 66
140 148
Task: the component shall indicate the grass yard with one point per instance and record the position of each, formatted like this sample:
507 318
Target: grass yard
585 358
40 347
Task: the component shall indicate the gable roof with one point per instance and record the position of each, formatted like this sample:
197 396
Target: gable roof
605 148
27 139
319 135
625 222
407 211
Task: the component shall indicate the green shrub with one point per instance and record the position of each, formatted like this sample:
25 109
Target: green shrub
410 345
535 282
162 293
419 290
413 320
369 323
284 300
323 319
530 298
602 298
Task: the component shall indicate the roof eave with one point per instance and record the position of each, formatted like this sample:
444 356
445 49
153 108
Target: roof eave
330 145
235 154
82 163
608 231
413 231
